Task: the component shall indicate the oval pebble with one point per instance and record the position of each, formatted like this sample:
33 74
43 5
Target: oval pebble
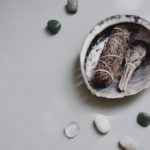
72 129
53 26
72 6
128 143
143 119
102 124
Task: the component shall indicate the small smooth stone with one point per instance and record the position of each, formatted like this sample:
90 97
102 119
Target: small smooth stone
53 26
143 119
102 124
128 143
72 129
72 6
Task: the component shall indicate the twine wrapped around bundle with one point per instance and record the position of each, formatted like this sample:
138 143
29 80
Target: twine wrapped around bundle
134 56
111 58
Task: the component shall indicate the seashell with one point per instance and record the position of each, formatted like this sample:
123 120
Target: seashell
94 44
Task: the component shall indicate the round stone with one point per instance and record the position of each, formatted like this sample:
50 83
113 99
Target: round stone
128 143
143 119
53 26
72 129
102 124
72 6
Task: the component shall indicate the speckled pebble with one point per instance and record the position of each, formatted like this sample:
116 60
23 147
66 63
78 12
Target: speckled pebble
72 129
143 119
53 26
102 124
72 6
128 143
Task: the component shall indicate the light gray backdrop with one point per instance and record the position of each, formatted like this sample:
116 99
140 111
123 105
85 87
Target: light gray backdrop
40 84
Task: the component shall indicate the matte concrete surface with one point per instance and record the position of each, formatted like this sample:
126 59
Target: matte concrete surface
41 89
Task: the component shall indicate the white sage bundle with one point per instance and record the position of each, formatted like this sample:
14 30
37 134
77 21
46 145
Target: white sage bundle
133 59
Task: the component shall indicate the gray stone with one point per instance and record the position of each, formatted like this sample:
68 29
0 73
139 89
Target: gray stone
72 6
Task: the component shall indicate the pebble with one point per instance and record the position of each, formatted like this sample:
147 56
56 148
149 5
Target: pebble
128 143
72 6
53 26
143 119
102 124
72 129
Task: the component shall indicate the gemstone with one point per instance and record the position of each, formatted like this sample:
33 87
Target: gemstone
143 119
102 124
72 6
53 26
72 129
128 143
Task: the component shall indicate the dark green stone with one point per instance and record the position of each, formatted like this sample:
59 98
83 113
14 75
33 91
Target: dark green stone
143 119
53 26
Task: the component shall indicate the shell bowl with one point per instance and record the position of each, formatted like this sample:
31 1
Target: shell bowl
141 77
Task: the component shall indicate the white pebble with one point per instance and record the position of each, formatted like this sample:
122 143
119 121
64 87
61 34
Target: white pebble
128 143
72 129
102 123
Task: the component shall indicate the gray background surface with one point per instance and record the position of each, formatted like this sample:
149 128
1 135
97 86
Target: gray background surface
40 83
